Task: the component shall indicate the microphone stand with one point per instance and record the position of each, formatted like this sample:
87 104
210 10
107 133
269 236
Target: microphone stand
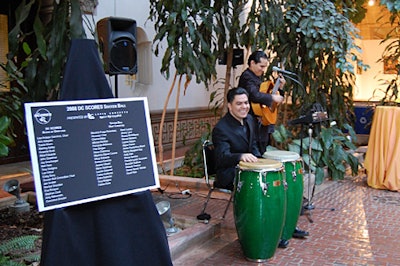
310 192
309 206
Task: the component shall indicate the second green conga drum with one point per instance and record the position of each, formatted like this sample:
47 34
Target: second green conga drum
259 207
293 166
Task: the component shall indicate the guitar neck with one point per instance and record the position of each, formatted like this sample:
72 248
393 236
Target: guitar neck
276 86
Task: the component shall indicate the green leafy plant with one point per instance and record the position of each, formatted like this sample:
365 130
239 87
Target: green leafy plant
330 148
193 162
187 27
5 141
38 46
39 51
317 40
320 45
315 37
194 34
12 252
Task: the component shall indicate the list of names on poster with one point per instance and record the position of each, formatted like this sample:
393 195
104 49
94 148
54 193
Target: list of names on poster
103 154
132 160
48 161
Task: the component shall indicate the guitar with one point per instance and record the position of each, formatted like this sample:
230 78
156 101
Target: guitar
268 115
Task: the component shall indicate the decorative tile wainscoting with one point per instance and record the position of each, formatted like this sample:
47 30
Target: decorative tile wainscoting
191 125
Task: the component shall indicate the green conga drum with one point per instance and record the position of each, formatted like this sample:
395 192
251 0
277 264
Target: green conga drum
259 204
293 168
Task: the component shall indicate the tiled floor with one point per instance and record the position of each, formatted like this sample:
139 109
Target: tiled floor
363 229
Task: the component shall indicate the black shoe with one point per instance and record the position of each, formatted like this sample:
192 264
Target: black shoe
300 233
283 243
229 186
203 216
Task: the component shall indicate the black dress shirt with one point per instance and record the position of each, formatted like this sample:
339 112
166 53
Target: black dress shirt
231 139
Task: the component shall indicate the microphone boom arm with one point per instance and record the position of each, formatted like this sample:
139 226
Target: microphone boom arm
296 81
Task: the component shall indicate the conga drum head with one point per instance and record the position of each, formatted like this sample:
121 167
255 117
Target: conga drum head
282 156
261 164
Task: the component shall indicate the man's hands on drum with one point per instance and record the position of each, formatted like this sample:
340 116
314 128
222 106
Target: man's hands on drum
249 158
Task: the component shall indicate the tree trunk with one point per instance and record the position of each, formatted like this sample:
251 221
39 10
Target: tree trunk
175 126
228 72
160 133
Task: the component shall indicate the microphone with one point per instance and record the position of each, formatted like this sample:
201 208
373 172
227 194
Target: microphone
277 69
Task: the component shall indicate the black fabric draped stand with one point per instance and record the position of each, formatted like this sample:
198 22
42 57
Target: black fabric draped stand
125 230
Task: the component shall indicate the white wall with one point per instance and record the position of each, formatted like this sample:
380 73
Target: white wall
158 86
370 83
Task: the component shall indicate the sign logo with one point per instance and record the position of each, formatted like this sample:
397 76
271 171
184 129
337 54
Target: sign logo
43 116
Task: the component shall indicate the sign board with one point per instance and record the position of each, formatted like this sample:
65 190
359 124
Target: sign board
88 150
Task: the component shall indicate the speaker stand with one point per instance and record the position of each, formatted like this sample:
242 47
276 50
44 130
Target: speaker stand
116 86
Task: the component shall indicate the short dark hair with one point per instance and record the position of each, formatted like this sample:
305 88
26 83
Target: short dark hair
235 91
256 57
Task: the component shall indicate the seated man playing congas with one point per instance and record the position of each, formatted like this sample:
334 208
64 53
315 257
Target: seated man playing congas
233 138
234 141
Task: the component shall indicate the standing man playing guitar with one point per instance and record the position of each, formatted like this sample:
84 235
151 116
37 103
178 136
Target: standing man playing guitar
251 80
263 108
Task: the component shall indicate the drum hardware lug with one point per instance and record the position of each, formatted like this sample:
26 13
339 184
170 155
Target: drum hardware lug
239 186
239 183
285 185
294 175
265 187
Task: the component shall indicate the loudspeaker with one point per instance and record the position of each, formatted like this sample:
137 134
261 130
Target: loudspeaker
238 57
117 43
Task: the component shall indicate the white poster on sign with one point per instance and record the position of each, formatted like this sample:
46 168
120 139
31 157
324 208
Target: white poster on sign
88 150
